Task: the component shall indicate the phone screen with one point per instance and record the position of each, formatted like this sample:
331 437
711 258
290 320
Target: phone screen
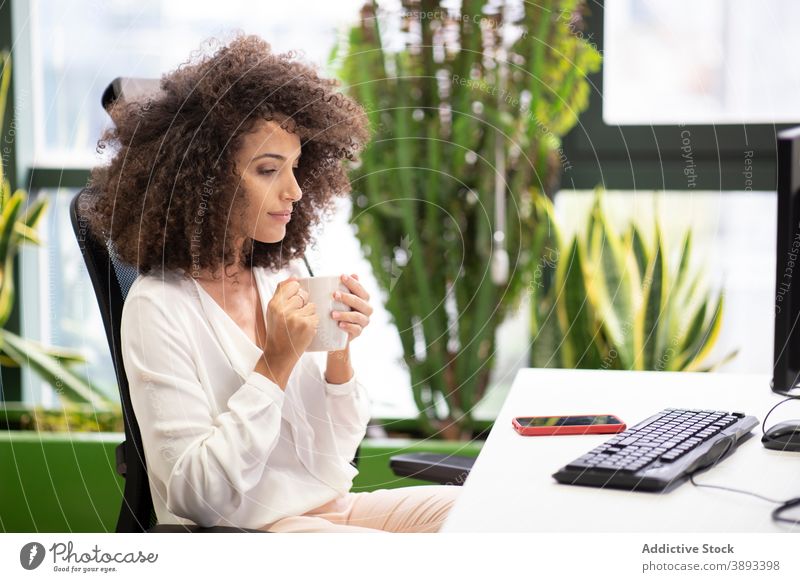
567 420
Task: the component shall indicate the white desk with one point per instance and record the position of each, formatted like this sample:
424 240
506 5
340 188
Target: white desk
510 487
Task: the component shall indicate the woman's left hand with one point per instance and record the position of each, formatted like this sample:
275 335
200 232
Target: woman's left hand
356 320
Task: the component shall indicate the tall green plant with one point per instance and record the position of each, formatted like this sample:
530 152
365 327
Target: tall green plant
18 222
467 124
607 300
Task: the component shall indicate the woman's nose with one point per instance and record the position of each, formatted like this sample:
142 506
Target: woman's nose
294 192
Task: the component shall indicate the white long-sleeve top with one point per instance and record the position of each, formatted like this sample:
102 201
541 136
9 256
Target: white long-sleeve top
224 445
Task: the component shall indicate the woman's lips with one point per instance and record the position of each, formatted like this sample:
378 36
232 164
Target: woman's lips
284 218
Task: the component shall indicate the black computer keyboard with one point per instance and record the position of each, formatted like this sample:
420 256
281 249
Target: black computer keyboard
660 452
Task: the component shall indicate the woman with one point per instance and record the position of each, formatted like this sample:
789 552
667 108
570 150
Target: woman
212 191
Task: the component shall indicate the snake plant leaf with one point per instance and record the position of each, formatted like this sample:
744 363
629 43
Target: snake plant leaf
689 338
7 292
683 258
545 249
574 310
685 287
546 342
685 326
5 84
35 212
651 342
27 234
682 304
671 319
639 249
613 287
595 213
710 335
8 219
69 386
65 356
5 187
722 361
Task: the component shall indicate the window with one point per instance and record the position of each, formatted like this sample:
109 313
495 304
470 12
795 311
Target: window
718 61
58 304
78 47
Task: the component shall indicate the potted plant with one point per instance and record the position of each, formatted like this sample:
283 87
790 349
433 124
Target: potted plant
606 300
468 107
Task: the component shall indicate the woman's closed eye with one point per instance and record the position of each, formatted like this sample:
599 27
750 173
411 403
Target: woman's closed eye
268 171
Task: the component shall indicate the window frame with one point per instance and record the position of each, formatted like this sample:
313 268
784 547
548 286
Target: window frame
635 157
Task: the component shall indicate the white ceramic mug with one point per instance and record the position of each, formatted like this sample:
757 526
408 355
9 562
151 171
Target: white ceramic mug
330 337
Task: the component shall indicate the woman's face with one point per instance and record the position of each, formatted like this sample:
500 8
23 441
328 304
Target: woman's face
267 161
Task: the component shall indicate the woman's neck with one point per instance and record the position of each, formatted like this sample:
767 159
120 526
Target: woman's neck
236 276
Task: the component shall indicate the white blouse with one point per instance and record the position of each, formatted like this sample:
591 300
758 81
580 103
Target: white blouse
224 445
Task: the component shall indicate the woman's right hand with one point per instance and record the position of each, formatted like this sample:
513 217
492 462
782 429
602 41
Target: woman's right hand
291 325
292 321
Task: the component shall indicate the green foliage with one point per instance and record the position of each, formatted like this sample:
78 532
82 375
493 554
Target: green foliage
70 418
18 222
612 301
461 118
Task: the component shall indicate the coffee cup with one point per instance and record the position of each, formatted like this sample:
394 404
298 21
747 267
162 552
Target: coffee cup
330 337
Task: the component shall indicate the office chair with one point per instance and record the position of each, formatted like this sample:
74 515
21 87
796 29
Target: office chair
111 280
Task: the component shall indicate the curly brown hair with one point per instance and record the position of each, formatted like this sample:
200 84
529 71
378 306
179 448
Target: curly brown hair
173 157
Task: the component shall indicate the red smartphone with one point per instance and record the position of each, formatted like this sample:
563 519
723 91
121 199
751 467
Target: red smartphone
573 424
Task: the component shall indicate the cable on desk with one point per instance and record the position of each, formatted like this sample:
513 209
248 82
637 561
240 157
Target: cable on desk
787 399
783 505
776 501
776 514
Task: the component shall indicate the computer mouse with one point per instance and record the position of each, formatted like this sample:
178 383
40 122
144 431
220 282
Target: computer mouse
784 436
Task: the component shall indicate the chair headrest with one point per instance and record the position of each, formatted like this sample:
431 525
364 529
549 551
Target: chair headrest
130 89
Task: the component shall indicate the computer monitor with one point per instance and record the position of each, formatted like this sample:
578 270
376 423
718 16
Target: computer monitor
786 374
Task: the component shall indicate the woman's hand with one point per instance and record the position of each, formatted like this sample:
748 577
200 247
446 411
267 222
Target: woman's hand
292 321
356 320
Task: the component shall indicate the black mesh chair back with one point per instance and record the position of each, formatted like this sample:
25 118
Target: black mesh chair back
111 280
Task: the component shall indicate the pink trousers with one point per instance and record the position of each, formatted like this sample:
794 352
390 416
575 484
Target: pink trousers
420 508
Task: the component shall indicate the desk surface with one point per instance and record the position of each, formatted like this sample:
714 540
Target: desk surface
510 487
